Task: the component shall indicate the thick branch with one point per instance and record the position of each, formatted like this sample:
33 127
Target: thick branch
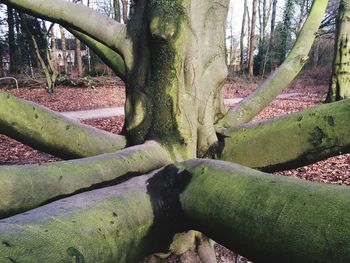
108 56
114 224
102 28
37 184
292 140
280 79
264 217
49 131
267 218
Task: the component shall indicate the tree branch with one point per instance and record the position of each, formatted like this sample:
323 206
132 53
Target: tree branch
264 217
114 224
39 184
298 56
108 56
267 218
49 131
291 141
100 27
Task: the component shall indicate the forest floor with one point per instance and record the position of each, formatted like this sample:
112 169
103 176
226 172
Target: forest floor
333 170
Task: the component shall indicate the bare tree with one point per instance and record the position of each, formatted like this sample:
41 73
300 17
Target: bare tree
252 40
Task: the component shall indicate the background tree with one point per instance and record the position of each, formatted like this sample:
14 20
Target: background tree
64 49
12 40
171 55
252 40
243 28
339 87
39 35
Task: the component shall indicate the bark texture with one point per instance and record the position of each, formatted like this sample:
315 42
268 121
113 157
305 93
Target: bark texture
291 141
39 184
113 224
267 218
49 131
290 221
339 88
176 92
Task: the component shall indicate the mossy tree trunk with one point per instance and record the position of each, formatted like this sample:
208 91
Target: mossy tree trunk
174 86
340 82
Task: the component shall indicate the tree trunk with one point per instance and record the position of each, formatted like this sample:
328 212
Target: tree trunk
78 58
64 50
272 30
339 88
252 41
125 11
174 91
286 29
116 6
12 40
242 35
54 49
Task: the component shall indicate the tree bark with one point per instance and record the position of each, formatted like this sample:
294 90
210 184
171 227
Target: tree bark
106 54
267 218
174 91
291 141
244 18
252 41
291 221
116 6
272 30
78 57
64 50
275 83
339 87
12 40
40 184
125 11
48 131
114 224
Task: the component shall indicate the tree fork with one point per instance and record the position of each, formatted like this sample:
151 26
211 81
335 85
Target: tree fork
49 131
176 93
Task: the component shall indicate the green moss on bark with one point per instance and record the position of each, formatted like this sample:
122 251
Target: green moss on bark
268 218
39 184
48 131
291 141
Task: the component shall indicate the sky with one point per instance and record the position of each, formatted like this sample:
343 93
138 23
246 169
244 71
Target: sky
236 11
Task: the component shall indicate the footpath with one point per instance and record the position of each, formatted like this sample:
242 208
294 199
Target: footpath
119 111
